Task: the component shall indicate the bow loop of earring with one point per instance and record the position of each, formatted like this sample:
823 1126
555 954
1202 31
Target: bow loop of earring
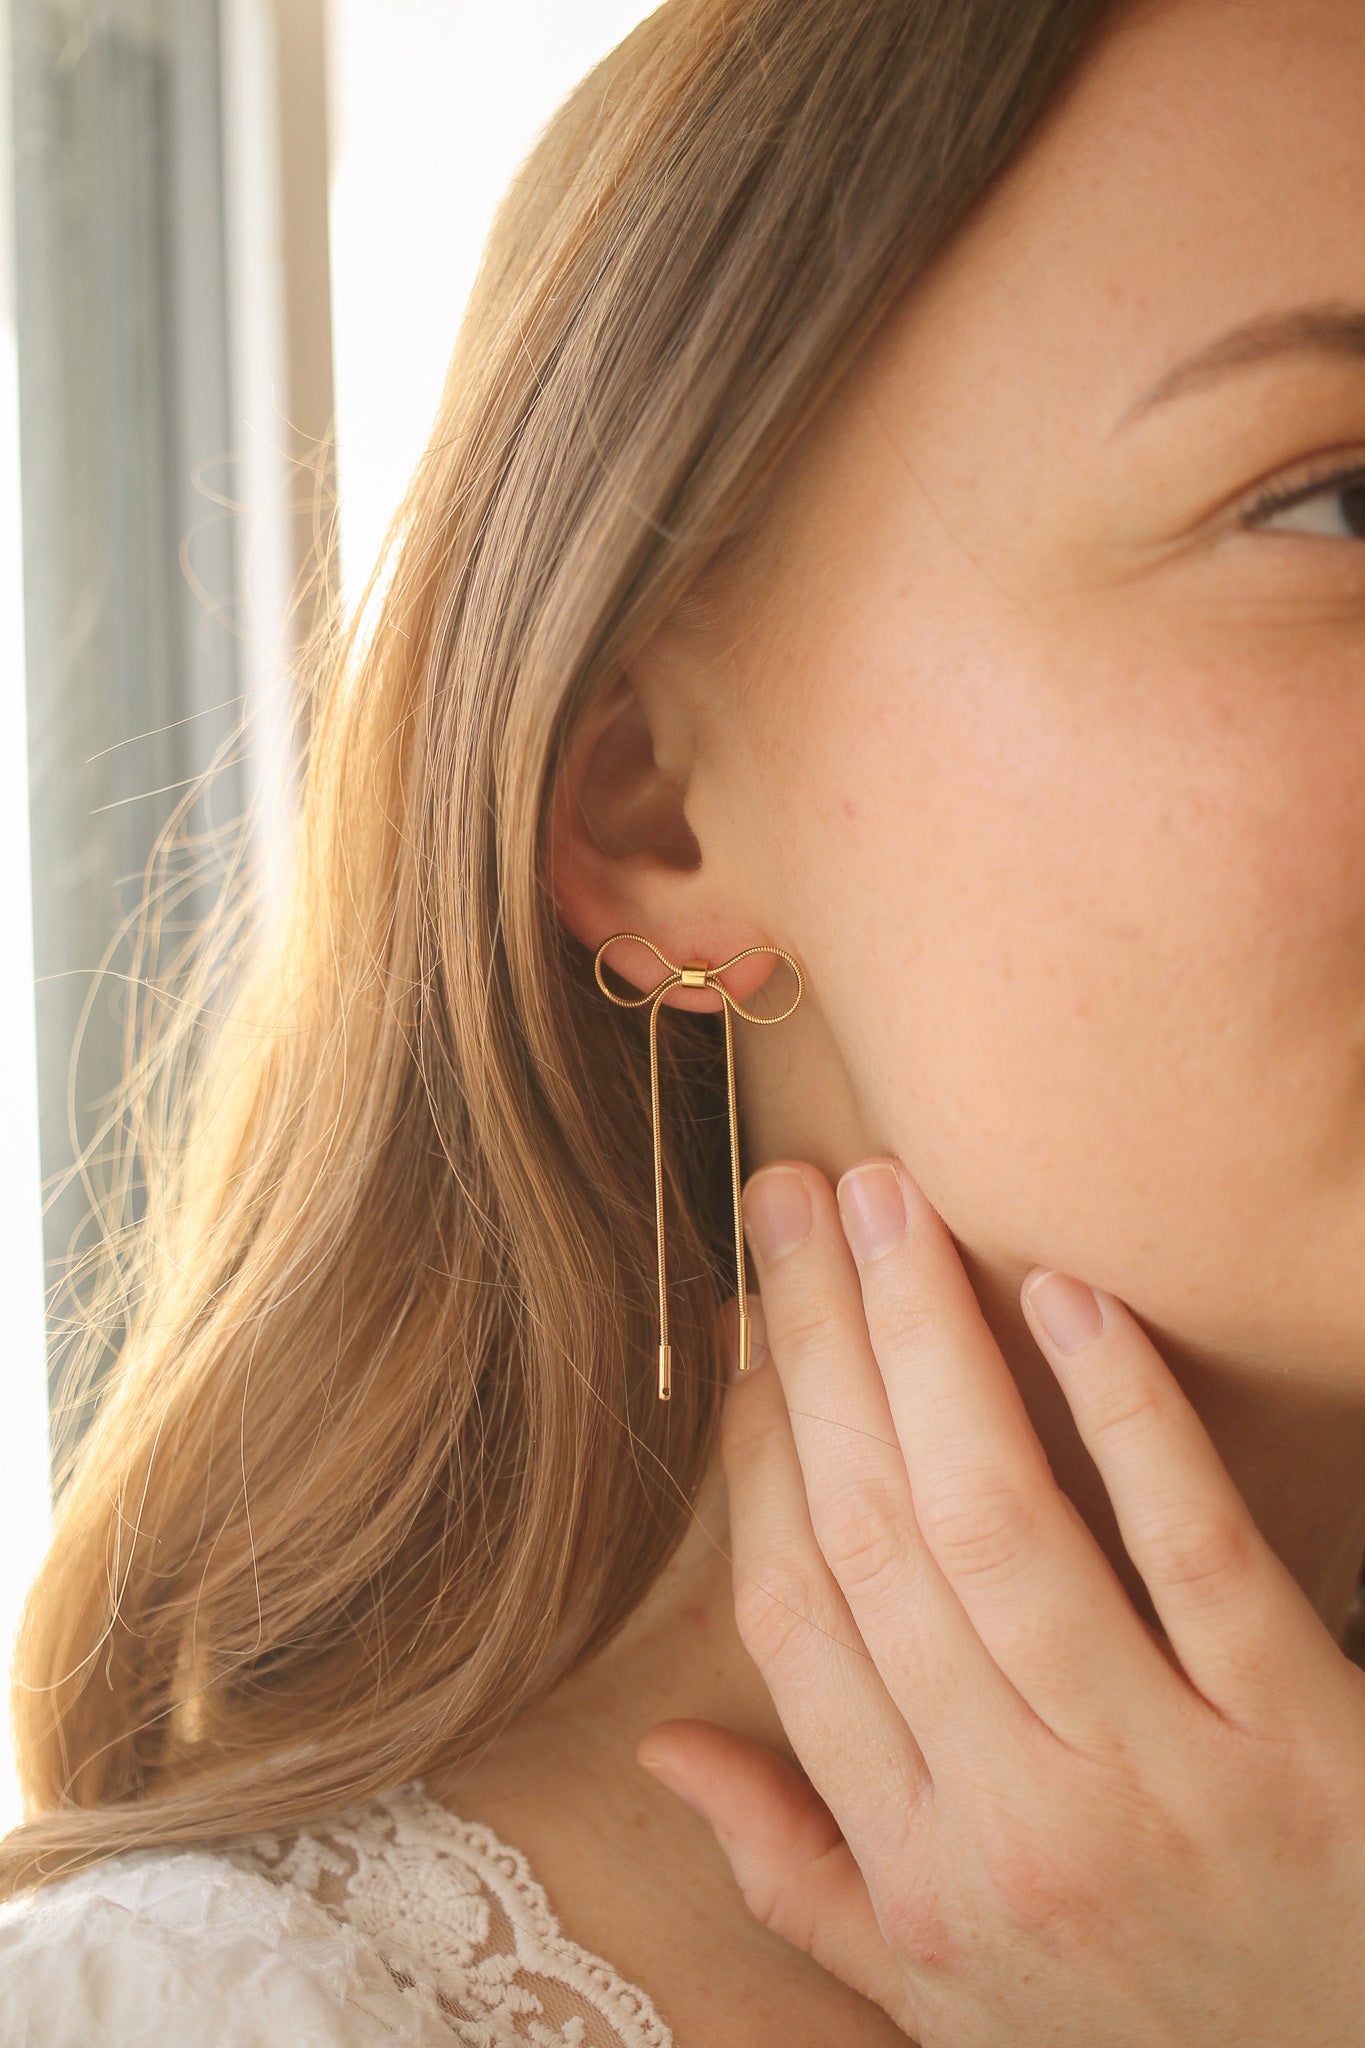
695 974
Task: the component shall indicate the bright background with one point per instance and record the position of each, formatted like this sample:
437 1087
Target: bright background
179 325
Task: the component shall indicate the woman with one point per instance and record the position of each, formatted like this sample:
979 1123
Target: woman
896 509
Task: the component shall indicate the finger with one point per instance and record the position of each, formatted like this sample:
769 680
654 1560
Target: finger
847 1731
1039 1590
796 1871
1242 1627
939 1673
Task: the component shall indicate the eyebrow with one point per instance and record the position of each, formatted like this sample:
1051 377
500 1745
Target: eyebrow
1329 329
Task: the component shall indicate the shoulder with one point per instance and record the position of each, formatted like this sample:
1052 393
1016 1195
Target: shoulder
158 1948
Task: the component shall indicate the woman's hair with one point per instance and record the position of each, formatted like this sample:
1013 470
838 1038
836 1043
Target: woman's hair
379 1458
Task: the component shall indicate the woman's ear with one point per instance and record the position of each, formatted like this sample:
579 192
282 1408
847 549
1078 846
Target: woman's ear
619 840
623 858
622 789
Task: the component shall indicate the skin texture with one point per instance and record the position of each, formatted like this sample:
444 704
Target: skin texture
1047 767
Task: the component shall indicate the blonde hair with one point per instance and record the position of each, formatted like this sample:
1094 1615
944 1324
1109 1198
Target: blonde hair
379 1458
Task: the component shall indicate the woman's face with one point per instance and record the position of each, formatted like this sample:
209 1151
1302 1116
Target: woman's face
1048 767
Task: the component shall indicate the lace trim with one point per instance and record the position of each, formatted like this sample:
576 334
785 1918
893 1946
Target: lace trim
463 1926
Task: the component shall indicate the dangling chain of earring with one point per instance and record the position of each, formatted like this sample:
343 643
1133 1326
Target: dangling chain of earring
693 974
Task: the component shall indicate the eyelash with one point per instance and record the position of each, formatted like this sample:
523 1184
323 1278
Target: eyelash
1280 497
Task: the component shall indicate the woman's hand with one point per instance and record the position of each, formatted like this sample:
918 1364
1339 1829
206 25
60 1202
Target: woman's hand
1025 1819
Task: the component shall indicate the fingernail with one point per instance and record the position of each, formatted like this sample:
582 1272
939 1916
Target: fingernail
1067 1310
872 1208
670 1783
777 1215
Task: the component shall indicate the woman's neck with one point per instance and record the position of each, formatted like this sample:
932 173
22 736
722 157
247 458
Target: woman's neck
1295 1452
563 1782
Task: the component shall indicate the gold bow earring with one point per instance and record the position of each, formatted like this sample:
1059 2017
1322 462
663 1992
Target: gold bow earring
693 974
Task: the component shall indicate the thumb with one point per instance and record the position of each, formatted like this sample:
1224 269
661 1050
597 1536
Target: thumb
790 1860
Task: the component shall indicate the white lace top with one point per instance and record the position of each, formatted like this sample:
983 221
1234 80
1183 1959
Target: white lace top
396 1925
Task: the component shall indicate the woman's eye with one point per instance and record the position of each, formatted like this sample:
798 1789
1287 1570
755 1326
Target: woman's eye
1332 506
